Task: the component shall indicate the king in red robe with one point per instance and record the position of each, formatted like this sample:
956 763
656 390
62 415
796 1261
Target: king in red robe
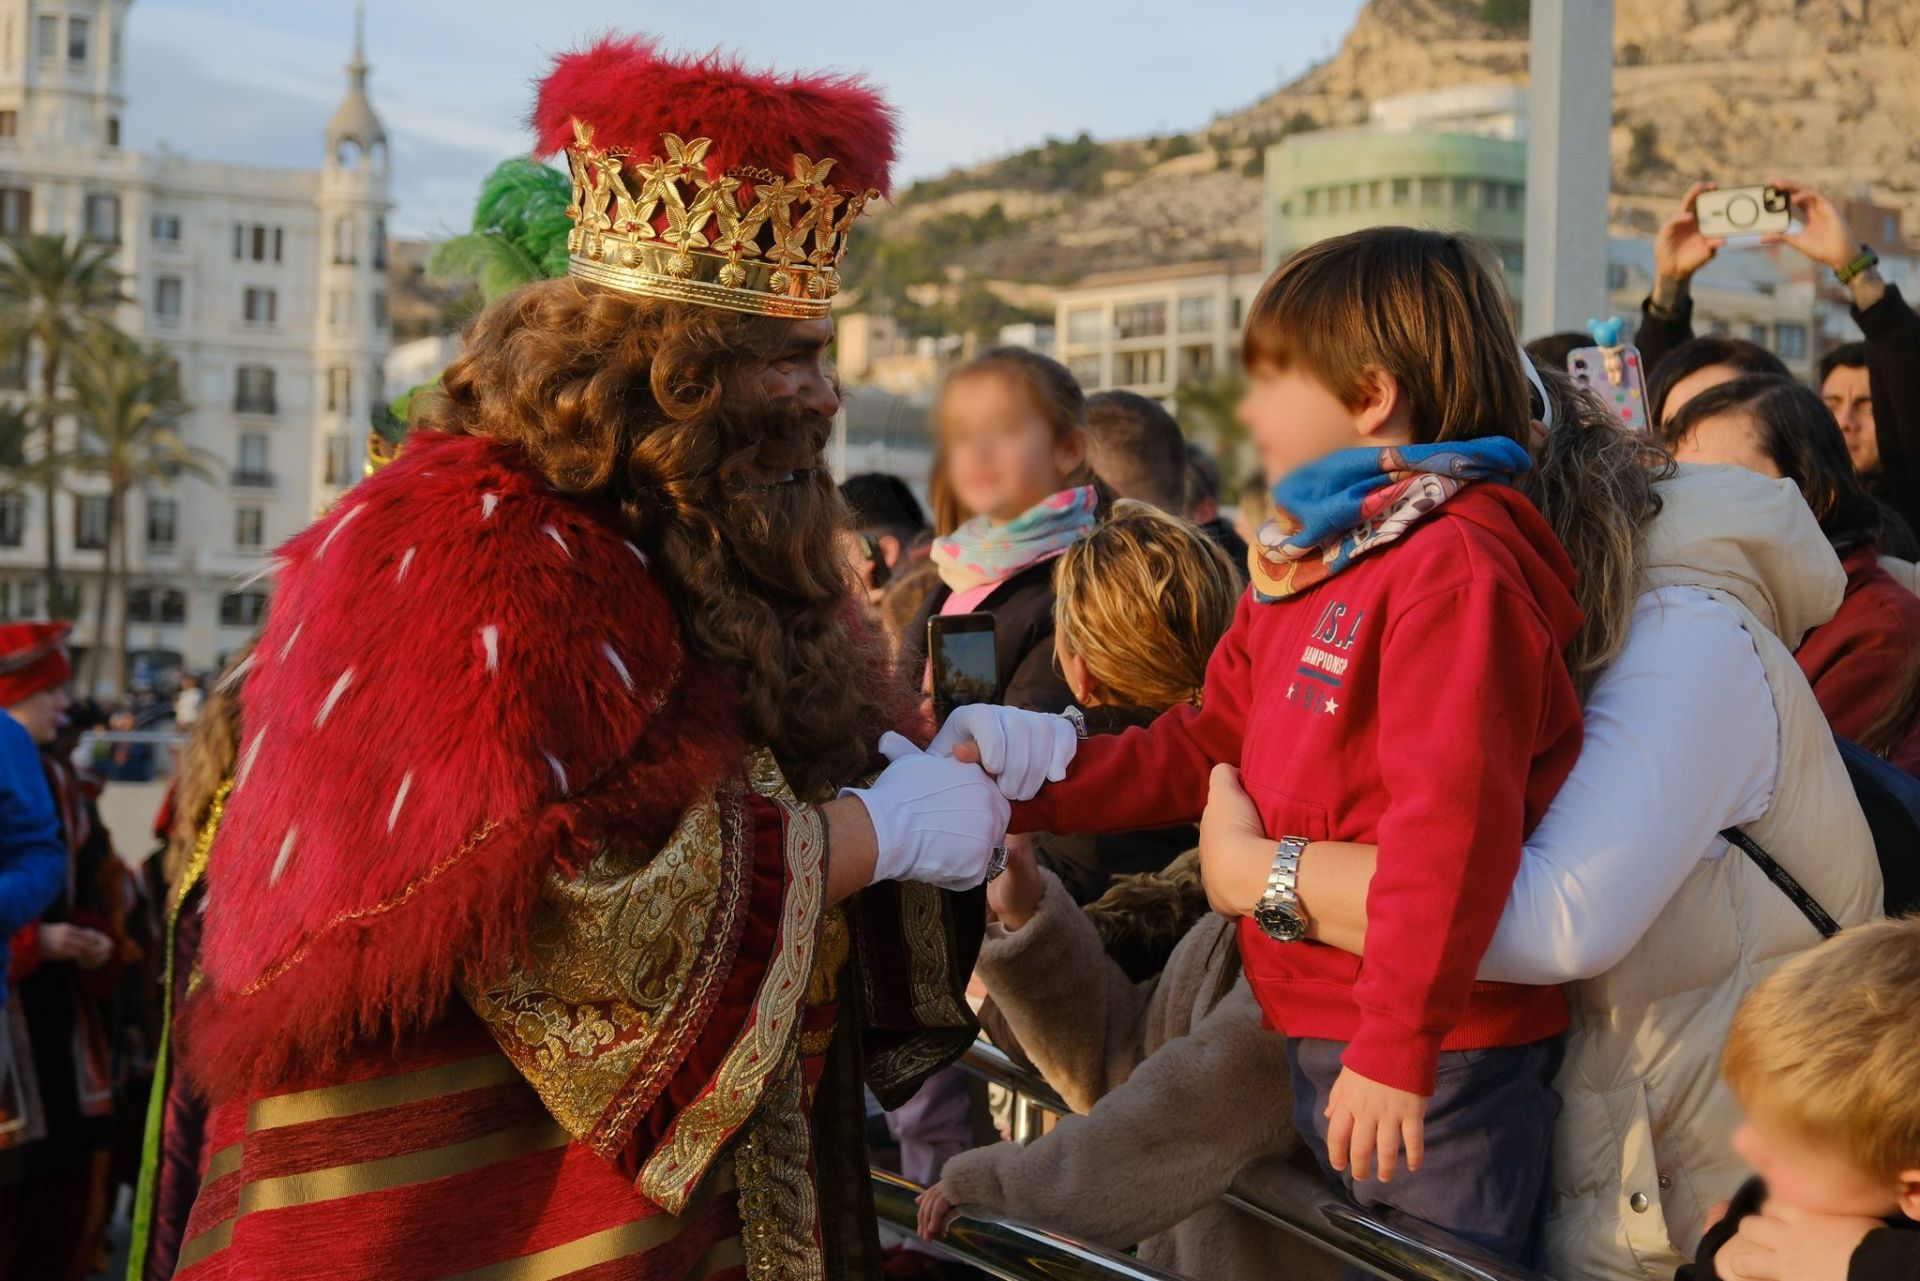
524 954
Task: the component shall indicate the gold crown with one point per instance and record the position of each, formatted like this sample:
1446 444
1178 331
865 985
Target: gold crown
780 257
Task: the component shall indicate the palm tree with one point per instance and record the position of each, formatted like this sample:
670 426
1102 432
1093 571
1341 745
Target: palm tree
54 293
519 234
127 402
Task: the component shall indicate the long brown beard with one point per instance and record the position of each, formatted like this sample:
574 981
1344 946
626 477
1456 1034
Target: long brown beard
765 592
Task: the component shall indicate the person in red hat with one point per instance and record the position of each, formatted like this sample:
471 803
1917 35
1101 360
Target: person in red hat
55 1083
550 928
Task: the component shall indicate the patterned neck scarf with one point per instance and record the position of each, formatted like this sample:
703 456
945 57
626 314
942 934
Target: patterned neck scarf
980 552
1336 510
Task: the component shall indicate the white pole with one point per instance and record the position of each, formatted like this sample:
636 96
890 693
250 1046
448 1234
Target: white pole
1570 117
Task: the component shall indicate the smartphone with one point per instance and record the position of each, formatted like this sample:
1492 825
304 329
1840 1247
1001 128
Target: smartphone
1616 376
966 667
1743 211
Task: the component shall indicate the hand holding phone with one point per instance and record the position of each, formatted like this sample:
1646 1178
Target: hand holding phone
1744 211
966 665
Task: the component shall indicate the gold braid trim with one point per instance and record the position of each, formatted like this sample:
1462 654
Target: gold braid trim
779 1205
705 1125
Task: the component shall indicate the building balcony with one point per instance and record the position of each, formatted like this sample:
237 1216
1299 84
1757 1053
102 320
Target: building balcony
252 478
263 406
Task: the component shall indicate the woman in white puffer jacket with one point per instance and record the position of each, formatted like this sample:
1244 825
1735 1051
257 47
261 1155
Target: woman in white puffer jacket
1627 892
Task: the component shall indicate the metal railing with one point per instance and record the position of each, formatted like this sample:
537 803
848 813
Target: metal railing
1383 1243
1007 1249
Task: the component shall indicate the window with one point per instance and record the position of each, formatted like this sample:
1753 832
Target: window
47 38
343 241
1140 368
1196 364
1336 199
166 229
248 527
1489 195
1790 341
256 242
340 459
253 390
340 390
167 293
13 519
1086 325
252 467
163 520
243 609
1196 314
1758 333
380 244
1310 201
16 211
113 131
340 309
1516 197
260 306
379 309
1430 189
90 522
156 605
1616 275
9 124
103 219
13 369
1085 371
77 29
1140 319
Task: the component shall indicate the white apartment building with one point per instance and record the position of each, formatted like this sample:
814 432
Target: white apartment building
1151 329
267 284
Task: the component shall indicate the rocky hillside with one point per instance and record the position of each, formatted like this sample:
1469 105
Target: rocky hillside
1824 90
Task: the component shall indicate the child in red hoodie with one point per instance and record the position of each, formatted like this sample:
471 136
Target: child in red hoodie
1395 676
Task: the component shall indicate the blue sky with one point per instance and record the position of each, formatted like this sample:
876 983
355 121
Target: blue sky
254 80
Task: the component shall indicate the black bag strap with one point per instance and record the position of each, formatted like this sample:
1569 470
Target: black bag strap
1808 905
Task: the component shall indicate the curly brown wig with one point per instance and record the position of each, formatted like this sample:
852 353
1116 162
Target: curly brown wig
649 406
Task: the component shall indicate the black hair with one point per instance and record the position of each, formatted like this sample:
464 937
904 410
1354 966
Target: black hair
881 501
1138 449
1848 355
1203 475
1550 351
1799 434
1695 354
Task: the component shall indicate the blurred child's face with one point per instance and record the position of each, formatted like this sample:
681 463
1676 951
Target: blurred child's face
1812 1176
1295 419
1001 454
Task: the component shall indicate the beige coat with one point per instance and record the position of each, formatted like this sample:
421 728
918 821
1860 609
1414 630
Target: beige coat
1177 1094
1642 1148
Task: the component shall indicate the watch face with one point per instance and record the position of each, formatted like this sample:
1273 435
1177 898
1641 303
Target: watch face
1278 924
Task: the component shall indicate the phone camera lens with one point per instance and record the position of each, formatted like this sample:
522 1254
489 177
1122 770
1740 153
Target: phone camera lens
1742 211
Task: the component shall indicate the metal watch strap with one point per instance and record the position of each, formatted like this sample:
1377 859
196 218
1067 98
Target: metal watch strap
1281 901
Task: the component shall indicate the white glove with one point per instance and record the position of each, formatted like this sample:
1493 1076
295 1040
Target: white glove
1022 750
935 819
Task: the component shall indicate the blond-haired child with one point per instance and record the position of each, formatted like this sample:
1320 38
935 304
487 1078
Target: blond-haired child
1824 1058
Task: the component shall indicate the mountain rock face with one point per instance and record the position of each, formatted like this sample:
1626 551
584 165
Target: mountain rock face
1826 91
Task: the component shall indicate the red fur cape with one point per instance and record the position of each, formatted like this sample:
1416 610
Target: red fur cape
465 675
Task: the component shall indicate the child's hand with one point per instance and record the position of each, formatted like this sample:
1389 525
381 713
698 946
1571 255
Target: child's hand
1014 895
1369 1119
1235 854
937 1212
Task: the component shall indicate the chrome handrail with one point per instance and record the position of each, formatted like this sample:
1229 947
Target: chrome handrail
1007 1249
1385 1243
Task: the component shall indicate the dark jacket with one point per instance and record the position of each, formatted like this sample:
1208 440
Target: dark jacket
1891 1253
1022 609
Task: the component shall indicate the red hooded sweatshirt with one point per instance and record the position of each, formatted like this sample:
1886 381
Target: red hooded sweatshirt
1420 701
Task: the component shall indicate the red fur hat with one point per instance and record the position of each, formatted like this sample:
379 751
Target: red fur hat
631 93
699 180
33 657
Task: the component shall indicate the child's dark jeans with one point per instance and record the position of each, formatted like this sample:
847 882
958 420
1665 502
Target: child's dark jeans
1489 1133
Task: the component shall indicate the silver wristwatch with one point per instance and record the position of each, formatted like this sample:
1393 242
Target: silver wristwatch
1278 914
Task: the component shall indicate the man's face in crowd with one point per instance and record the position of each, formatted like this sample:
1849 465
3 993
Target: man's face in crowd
797 373
42 714
1846 394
